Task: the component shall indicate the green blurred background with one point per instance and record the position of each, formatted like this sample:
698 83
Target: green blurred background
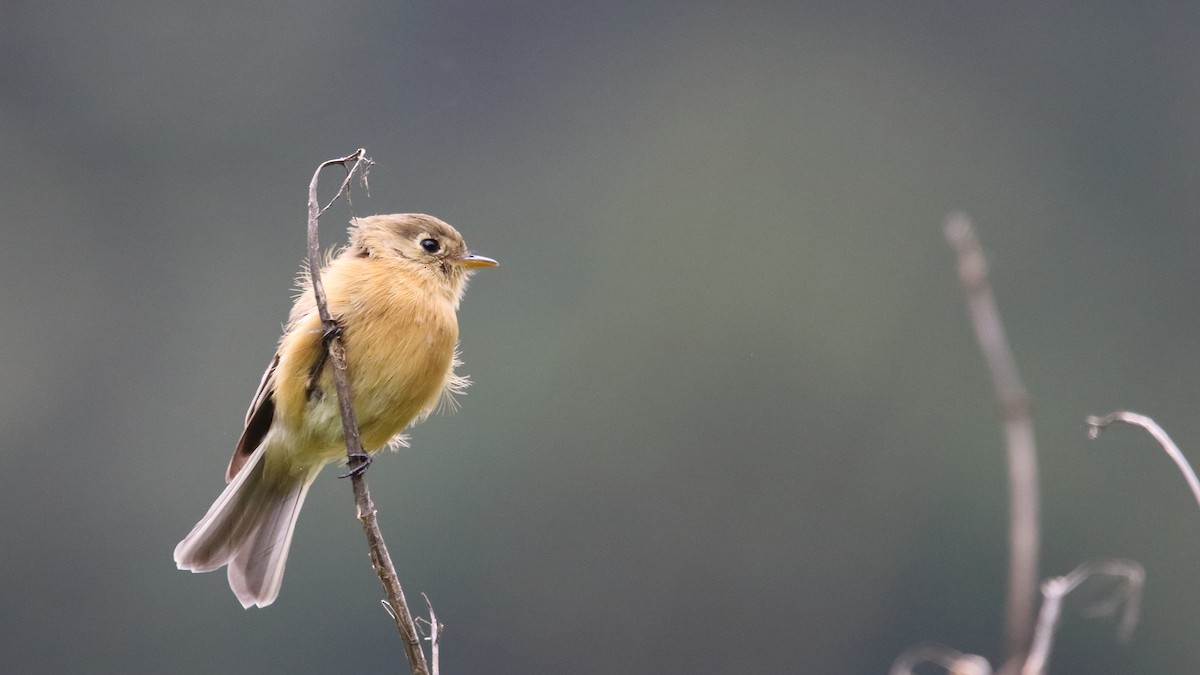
729 415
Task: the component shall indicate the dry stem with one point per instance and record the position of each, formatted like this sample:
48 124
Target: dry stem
1098 424
1054 589
435 634
1018 432
952 660
380 560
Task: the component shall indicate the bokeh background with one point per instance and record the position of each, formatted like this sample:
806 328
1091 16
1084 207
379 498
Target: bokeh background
728 412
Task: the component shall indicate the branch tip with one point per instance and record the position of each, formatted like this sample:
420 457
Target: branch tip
951 660
1126 600
1097 424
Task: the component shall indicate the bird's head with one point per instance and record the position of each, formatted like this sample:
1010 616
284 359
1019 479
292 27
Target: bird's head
429 246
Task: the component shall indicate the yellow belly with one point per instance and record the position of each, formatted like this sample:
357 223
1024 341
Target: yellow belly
399 346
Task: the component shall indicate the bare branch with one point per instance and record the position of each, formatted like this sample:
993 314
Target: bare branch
435 634
1098 424
1054 589
1018 432
358 459
953 661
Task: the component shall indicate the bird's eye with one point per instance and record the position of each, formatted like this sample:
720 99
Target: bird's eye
430 245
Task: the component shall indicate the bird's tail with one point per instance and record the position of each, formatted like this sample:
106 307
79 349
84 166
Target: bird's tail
250 529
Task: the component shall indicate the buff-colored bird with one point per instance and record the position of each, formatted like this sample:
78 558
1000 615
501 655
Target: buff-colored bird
394 291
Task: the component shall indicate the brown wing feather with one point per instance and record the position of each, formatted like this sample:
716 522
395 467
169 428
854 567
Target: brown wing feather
258 421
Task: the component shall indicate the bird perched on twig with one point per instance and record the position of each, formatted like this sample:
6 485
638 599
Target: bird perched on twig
394 291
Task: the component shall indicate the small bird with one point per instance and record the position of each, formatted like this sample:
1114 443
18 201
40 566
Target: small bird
394 291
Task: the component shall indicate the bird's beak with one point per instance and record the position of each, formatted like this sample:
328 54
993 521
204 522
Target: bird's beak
472 260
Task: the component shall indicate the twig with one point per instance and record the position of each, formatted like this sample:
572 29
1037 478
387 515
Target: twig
953 661
1018 432
435 635
1055 589
380 560
1098 424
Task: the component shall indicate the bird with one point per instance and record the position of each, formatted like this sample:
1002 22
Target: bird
393 290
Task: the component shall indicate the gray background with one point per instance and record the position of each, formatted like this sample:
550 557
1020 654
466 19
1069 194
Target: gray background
728 416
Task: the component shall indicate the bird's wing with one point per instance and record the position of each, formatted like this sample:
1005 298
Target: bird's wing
258 421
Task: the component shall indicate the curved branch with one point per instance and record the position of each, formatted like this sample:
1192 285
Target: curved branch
1127 600
950 660
1097 424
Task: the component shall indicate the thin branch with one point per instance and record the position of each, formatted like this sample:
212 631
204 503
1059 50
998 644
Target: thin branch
1054 589
380 560
951 660
1098 424
435 635
1018 432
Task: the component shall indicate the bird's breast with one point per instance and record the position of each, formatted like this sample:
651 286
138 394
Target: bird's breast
398 359
399 337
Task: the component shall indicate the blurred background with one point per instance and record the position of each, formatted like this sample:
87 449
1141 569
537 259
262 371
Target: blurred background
728 412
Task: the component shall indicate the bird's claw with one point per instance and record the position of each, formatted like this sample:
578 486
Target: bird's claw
333 330
358 463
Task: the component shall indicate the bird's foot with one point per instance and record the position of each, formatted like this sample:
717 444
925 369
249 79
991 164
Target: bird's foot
333 330
358 463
